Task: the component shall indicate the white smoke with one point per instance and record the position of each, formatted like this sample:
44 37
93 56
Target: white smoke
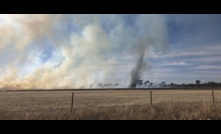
86 48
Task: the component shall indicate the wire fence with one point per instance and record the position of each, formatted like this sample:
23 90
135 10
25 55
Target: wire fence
67 100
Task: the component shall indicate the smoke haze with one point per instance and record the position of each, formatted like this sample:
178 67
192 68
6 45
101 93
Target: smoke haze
76 51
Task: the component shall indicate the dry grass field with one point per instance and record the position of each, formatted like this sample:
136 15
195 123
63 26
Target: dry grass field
111 105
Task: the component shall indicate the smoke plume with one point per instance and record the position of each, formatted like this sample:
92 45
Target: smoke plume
136 72
76 51
155 37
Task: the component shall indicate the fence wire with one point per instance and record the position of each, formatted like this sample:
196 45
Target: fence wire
35 101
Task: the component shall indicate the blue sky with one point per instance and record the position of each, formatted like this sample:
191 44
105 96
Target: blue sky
194 48
79 50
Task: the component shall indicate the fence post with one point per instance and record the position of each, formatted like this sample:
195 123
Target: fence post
72 102
213 96
150 97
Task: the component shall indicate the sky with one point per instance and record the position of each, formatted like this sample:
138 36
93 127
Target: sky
50 51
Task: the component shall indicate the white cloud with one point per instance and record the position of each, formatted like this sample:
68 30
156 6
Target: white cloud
205 67
180 63
209 59
207 50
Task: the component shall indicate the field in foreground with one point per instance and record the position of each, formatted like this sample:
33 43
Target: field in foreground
111 104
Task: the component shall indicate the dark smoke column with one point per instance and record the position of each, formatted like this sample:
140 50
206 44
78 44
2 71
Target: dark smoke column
136 72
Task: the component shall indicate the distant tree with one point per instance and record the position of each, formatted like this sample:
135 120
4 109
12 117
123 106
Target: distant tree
140 83
211 84
151 84
171 84
145 83
198 82
163 84
183 85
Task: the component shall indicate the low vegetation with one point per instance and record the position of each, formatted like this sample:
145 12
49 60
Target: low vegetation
160 111
110 105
